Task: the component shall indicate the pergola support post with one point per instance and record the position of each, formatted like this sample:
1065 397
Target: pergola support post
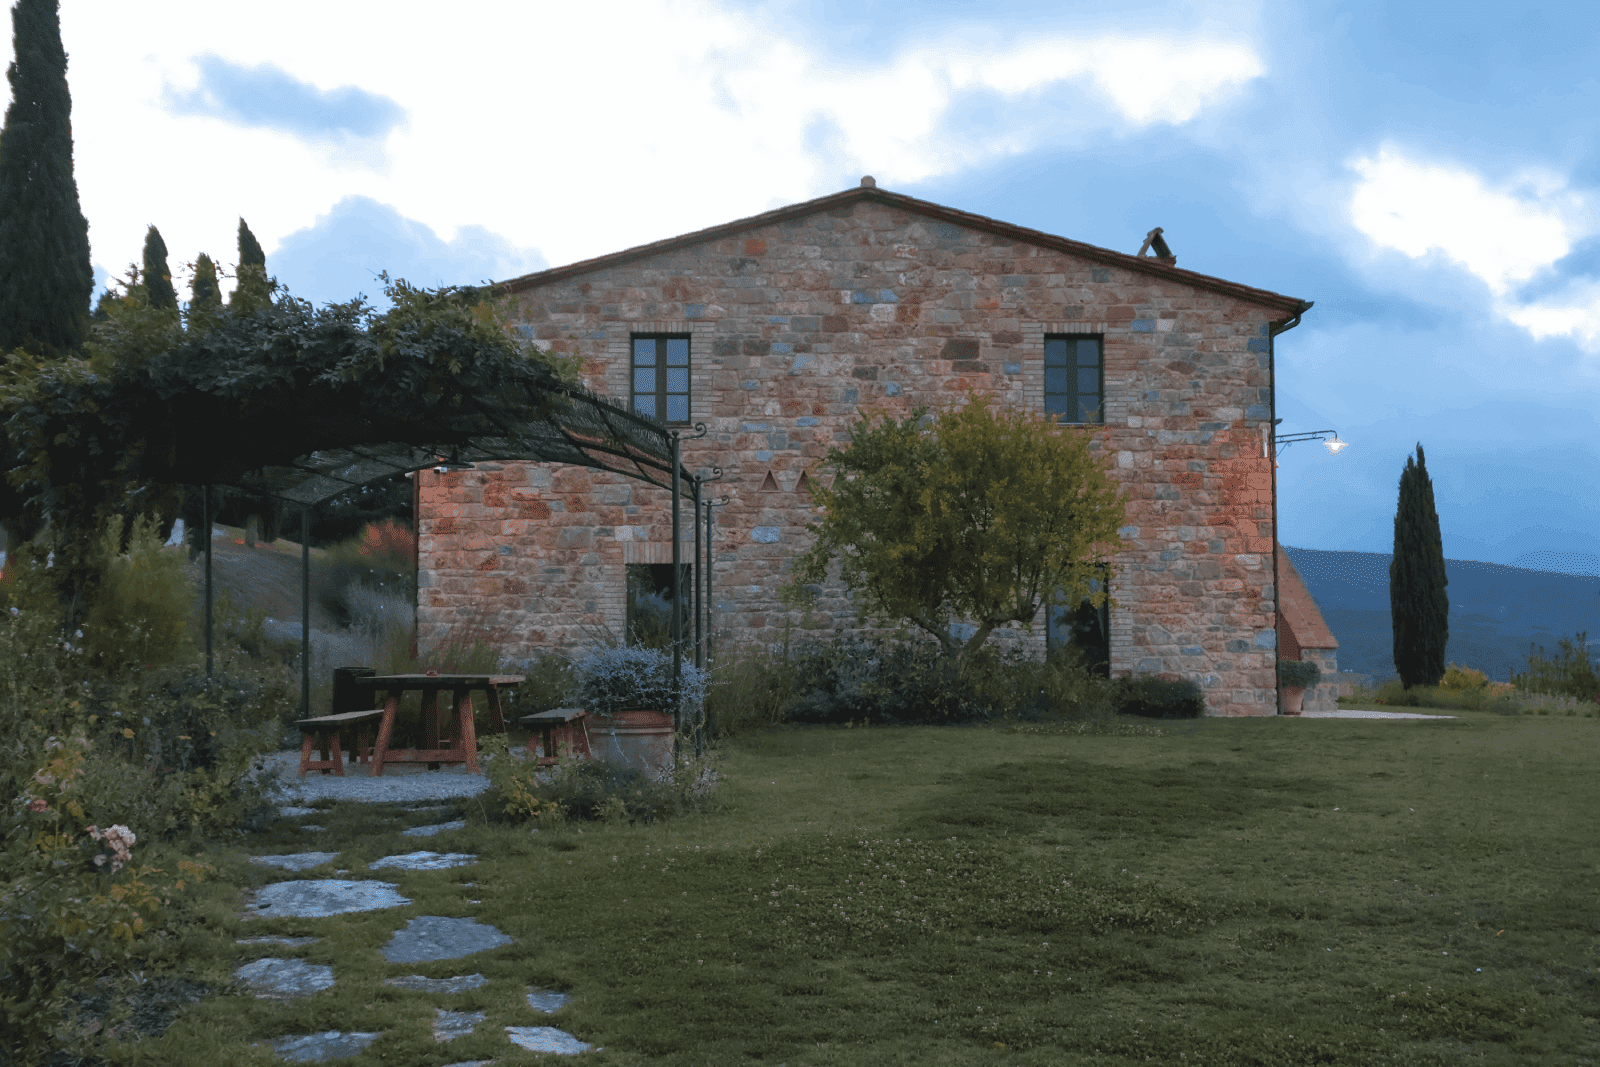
205 512
677 605
305 613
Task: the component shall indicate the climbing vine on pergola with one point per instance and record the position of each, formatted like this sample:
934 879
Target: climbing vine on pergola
303 404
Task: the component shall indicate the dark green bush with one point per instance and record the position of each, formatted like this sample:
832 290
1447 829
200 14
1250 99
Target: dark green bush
882 680
1569 673
197 738
591 790
749 688
548 682
879 679
1158 698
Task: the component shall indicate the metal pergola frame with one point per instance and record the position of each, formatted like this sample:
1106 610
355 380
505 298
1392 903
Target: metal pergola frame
576 427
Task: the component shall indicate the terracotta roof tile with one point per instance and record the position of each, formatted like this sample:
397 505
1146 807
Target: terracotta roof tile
1298 610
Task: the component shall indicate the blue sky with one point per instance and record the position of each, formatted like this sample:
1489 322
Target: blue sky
1429 176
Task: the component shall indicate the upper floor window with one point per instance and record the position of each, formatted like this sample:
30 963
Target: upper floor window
1074 388
660 377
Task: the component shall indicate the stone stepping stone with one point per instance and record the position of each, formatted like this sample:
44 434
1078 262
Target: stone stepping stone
285 979
289 811
321 897
547 1000
424 861
449 1025
418 984
437 828
292 942
431 937
546 1039
315 1048
296 861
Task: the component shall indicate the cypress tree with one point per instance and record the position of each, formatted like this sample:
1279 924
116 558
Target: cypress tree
45 276
254 290
250 254
1418 607
204 292
157 278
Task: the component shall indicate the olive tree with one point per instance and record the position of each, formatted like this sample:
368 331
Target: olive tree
973 515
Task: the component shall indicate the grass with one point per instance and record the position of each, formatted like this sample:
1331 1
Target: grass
1258 891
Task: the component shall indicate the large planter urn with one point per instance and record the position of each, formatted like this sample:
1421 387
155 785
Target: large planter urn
1293 677
635 737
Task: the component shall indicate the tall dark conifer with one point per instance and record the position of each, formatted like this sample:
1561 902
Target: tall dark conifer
204 292
157 278
254 289
1418 607
45 276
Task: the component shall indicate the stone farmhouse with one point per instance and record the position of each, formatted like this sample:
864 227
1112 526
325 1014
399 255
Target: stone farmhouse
779 331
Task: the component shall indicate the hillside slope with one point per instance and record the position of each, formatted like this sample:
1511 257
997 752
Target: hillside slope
1496 612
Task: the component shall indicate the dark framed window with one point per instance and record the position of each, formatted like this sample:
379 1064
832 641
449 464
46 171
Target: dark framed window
1074 377
649 590
660 376
1084 631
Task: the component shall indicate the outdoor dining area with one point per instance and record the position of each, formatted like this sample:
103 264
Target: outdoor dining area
366 708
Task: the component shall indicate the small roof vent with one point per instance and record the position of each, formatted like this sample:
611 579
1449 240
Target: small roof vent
868 182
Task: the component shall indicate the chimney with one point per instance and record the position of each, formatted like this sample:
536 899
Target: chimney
868 182
1154 242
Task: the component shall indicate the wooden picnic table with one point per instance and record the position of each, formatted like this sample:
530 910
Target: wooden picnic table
462 739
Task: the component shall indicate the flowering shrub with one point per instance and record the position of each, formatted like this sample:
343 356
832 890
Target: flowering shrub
616 679
74 901
390 543
1460 679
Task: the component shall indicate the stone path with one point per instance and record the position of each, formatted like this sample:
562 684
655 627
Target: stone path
424 938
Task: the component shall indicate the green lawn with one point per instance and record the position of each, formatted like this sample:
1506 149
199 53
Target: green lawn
1263 891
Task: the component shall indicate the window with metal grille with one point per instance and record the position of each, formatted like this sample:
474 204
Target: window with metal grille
660 378
1074 377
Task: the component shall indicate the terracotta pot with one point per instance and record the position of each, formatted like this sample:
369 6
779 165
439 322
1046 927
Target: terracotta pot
635 737
1293 696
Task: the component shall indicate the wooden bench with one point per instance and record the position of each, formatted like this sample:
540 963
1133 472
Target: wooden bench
322 732
567 720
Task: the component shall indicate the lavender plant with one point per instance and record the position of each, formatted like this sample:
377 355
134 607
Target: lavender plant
616 679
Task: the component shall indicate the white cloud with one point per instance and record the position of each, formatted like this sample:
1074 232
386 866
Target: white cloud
574 129
1504 235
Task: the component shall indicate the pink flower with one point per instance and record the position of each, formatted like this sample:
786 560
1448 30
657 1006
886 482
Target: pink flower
36 806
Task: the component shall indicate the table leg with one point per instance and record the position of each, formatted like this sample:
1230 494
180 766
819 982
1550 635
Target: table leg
385 728
495 712
305 751
467 730
430 721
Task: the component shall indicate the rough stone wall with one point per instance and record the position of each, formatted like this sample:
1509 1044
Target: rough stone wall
799 326
1324 696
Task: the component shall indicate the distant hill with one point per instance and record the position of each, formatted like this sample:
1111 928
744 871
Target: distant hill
1496 612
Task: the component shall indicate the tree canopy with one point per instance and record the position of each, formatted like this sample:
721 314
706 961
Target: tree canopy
45 276
975 515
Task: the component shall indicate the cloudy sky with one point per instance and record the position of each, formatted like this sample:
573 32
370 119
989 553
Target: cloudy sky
1431 182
